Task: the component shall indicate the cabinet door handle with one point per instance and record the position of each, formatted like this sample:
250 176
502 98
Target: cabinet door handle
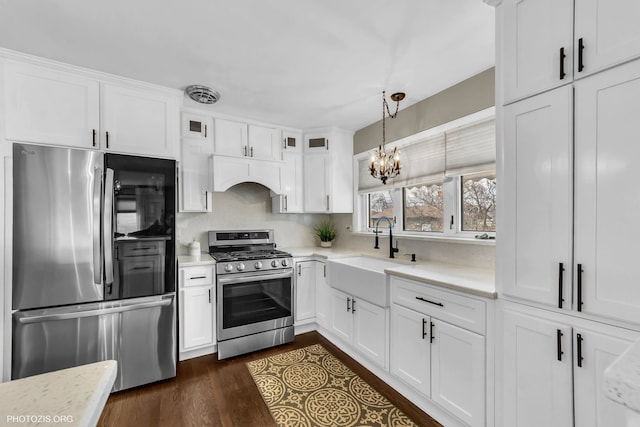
286 203
94 137
430 302
579 340
206 201
559 344
560 286
251 152
327 202
353 305
325 270
562 57
299 270
327 144
580 271
424 330
348 304
431 332
580 54
244 150
205 135
209 296
107 136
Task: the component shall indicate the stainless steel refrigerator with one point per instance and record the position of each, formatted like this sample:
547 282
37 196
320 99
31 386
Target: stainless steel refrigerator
93 263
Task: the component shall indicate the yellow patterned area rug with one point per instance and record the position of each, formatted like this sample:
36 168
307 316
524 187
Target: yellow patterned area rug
311 387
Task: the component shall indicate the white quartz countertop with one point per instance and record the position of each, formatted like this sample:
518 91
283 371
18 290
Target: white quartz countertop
622 378
191 261
69 397
471 280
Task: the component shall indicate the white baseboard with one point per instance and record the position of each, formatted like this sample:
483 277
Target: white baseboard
203 351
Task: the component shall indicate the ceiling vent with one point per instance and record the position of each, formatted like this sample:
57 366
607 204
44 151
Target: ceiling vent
202 94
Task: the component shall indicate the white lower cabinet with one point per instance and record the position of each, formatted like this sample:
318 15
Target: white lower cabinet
552 369
410 348
443 361
196 308
305 290
361 324
323 296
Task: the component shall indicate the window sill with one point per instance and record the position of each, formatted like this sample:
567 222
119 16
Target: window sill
465 240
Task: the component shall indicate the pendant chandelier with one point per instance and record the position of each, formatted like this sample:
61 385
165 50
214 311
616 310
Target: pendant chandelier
386 165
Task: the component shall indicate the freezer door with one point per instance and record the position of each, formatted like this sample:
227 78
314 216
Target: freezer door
57 256
138 333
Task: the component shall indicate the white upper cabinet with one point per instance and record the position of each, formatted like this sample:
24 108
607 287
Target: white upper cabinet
538 205
138 121
230 138
538 45
46 106
608 32
606 194
328 171
239 139
291 142
265 143
195 179
290 201
49 106
197 126
542 49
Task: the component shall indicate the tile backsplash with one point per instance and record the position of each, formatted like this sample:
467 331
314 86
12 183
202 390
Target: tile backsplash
248 205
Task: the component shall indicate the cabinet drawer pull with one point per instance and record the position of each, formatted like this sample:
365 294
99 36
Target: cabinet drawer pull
431 332
559 344
560 286
197 277
107 135
580 54
141 249
209 296
430 302
348 304
562 57
580 271
141 268
579 340
424 330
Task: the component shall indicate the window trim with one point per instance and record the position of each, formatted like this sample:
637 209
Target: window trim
451 188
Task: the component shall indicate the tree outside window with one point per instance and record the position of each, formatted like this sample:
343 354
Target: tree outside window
423 208
380 204
479 202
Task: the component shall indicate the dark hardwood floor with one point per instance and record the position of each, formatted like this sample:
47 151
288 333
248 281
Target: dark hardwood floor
211 392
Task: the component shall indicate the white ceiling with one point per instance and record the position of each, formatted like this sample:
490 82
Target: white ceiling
297 63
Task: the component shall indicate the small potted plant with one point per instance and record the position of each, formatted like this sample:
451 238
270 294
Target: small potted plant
326 232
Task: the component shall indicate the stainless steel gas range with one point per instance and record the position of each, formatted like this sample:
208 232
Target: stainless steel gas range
254 284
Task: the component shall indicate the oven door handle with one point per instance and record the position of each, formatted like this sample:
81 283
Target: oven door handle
233 279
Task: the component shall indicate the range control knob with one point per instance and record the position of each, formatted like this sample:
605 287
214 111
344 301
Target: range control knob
258 265
274 263
228 268
285 263
240 266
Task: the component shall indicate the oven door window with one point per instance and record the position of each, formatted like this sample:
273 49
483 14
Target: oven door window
256 301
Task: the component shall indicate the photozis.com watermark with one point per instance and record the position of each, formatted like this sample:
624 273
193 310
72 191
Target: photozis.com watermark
39 419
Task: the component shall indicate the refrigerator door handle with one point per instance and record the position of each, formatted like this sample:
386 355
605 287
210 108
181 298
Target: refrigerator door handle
90 313
97 247
108 227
